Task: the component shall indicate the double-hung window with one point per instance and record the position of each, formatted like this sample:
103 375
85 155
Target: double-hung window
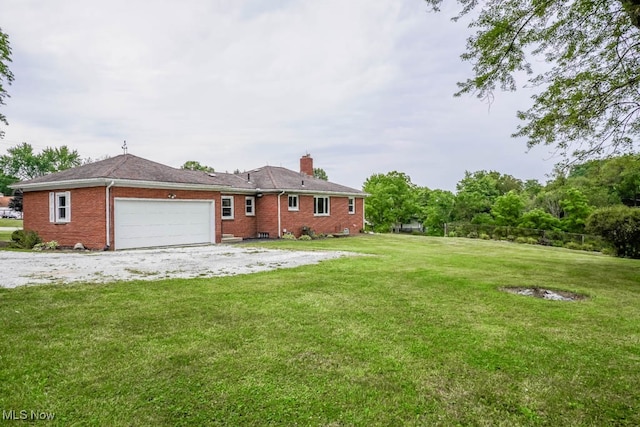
352 205
321 205
60 207
227 207
293 202
250 206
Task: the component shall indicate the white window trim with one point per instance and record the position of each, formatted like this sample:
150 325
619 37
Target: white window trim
54 207
351 205
223 207
315 206
253 206
297 207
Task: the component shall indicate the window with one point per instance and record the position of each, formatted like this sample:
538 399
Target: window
249 206
320 205
227 207
60 207
293 202
352 205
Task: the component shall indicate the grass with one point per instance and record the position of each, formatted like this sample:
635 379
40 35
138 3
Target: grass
5 236
7 222
417 334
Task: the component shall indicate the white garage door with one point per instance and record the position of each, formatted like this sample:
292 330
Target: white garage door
143 223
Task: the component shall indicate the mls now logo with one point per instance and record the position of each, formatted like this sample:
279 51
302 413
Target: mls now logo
12 414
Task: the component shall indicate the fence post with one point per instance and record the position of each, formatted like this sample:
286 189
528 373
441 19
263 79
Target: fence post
445 229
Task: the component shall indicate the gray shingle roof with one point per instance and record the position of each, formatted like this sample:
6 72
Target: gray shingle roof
124 166
132 168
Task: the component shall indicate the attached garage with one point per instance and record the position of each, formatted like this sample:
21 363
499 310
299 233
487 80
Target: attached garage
143 223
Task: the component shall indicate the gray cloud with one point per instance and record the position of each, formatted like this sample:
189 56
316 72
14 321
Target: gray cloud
365 87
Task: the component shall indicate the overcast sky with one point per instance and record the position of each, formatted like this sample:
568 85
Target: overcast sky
363 86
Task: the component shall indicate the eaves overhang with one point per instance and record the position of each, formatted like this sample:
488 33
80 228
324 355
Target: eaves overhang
103 182
312 192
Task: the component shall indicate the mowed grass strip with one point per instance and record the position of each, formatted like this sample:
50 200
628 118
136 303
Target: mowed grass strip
414 333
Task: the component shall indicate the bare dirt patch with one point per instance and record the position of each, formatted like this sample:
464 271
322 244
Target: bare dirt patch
59 267
542 293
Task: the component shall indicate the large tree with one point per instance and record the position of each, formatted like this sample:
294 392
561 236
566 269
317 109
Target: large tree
478 191
587 104
21 162
392 200
6 77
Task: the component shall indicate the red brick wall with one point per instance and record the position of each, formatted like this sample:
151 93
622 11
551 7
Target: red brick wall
293 221
267 221
241 225
336 222
88 217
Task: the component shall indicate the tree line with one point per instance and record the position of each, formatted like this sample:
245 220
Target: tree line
598 196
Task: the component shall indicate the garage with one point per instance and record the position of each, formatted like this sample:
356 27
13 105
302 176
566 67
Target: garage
144 223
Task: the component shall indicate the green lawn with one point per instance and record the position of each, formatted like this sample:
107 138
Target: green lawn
417 334
5 236
7 222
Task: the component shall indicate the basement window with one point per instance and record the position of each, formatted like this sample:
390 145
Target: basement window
60 207
321 206
227 207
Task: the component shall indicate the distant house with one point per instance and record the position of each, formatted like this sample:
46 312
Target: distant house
5 210
130 202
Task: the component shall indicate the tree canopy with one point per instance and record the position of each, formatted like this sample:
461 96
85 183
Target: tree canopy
6 77
22 163
392 200
196 166
587 103
320 174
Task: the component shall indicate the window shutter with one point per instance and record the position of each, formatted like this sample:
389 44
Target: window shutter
68 195
52 207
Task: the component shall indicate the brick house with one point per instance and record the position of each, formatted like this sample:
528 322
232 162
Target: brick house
130 202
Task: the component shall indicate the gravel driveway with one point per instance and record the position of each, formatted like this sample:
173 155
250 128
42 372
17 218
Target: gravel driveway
36 268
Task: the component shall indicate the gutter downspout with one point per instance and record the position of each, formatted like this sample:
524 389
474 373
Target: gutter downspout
108 212
279 219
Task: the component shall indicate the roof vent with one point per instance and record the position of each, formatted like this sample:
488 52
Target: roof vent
211 174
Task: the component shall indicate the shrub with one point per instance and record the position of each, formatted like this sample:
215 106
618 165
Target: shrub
544 241
619 226
573 245
472 235
511 237
307 231
52 245
521 240
305 237
288 236
532 241
21 239
452 234
588 247
484 236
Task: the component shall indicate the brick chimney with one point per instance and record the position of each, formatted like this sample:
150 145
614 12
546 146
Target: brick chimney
306 164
